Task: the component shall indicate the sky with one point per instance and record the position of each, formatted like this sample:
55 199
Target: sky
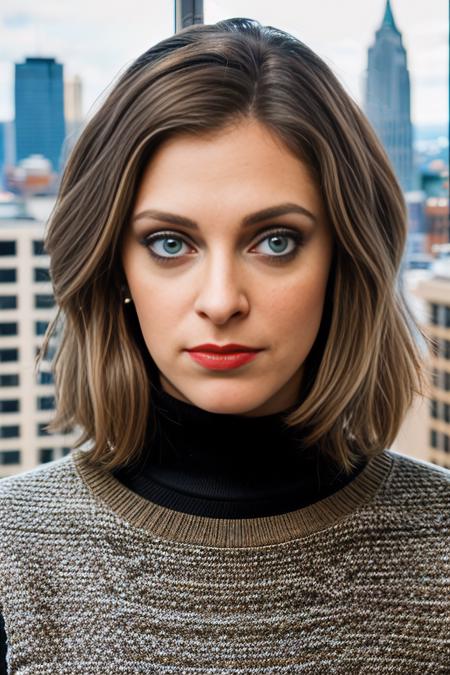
98 39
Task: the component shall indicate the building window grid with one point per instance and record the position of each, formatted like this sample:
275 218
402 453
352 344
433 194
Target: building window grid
8 302
40 327
40 429
41 275
9 380
46 455
9 457
8 275
45 402
9 355
9 328
9 405
44 300
38 247
446 443
446 412
9 431
44 377
433 438
434 313
8 248
446 349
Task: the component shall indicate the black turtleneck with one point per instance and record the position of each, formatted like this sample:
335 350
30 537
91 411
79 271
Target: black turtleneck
228 466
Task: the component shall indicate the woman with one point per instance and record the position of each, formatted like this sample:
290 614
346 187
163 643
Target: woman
225 251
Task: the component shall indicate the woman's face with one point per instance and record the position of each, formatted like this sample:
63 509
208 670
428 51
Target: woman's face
221 279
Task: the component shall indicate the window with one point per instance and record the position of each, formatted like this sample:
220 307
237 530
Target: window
41 274
45 377
8 275
7 248
7 355
447 316
8 301
9 431
9 328
46 455
40 428
447 381
51 351
9 405
45 402
434 408
9 457
434 314
9 380
38 248
65 451
43 301
446 353
446 443
447 412
434 438
40 327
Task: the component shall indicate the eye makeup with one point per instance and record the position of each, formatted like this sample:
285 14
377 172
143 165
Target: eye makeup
295 236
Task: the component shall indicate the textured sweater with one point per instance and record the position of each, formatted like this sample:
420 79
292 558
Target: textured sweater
221 465
94 578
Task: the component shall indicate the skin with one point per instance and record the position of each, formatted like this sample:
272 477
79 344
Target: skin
221 284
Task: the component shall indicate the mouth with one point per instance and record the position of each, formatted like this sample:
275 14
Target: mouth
231 348
223 360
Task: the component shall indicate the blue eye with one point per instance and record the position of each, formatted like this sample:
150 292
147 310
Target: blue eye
277 241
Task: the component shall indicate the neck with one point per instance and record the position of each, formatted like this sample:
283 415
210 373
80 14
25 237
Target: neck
228 466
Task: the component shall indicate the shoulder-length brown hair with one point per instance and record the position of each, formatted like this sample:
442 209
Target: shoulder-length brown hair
364 368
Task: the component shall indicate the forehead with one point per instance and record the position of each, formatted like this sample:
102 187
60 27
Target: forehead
238 164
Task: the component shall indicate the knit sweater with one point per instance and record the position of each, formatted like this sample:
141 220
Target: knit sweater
96 579
254 466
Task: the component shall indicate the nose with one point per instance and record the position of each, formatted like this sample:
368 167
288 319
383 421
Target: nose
221 294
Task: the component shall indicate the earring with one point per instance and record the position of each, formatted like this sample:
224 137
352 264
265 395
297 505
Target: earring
125 290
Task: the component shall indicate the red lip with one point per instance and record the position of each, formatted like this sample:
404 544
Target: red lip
232 347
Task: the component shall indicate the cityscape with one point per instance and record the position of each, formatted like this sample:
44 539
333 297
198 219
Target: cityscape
34 147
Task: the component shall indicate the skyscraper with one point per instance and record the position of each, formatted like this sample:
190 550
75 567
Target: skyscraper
39 101
387 97
187 13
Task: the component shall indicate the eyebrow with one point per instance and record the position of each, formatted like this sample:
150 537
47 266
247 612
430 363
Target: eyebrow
247 221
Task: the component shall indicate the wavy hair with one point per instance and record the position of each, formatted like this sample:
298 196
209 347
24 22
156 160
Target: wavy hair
364 368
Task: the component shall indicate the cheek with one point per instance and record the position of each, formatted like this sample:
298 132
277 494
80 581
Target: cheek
296 310
157 301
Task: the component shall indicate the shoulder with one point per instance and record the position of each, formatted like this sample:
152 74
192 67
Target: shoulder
415 473
34 481
40 492
417 489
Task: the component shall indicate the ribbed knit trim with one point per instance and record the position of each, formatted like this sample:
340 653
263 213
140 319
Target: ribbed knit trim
233 533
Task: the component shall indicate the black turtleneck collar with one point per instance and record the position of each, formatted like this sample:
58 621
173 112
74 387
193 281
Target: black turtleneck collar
227 466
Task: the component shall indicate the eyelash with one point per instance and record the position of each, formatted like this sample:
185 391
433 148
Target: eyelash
297 237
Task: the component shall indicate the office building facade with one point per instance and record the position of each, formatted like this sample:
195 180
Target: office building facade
39 104
435 291
26 308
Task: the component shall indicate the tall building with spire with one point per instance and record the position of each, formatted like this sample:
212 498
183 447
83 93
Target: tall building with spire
387 97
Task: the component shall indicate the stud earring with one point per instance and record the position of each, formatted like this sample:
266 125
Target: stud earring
125 292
